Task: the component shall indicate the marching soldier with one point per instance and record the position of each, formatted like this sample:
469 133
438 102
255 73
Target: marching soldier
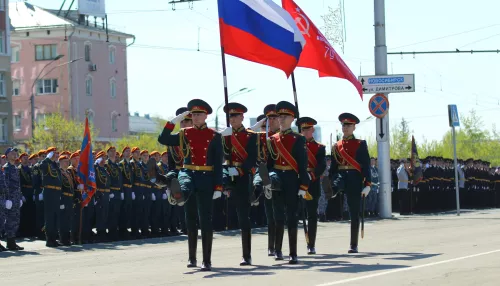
12 200
37 188
126 212
288 158
271 117
240 149
51 185
102 194
200 178
67 198
316 165
27 226
350 171
115 196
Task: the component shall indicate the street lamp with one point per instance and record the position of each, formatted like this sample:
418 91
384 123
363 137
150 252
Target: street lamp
231 96
32 99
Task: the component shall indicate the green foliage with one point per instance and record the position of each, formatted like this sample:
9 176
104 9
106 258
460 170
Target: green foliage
472 142
56 131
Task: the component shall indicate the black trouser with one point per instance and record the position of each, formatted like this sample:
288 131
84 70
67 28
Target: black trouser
40 213
52 199
115 204
126 210
156 210
138 208
312 211
27 227
65 217
102 211
404 201
88 220
147 209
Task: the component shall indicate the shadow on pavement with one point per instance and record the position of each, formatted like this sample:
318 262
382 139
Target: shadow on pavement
254 270
6 254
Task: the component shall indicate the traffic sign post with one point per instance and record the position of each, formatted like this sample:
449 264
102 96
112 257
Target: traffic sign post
454 121
379 106
387 83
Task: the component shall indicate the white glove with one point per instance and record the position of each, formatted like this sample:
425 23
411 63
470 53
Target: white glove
40 197
302 193
95 203
153 180
23 199
80 187
233 172
309 176
254 204
122 196
227 193
168 192
366 191
258 125
8 204
217 194
179 117
268 192
61 207
21 203
164 196
33 197
153 197
133 196
227 132
111 196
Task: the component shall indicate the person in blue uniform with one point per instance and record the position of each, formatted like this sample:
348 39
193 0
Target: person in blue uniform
240 149
316 165
288 158
200 178
51 185
37 188
115 195
11 199
350 171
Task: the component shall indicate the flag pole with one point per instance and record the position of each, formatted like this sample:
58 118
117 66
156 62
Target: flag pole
226 101
304 209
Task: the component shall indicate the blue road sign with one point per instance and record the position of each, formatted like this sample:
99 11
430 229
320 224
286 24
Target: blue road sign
378 105
453 116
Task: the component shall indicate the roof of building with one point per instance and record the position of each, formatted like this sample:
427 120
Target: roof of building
139 124
24 15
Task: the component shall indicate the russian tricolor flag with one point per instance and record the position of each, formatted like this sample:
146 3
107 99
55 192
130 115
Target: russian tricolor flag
260 31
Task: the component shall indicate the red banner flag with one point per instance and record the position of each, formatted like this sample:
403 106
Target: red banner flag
318 54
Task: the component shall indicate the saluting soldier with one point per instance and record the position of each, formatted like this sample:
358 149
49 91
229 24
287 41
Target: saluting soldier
67 199
11 200
288 158
269 119
240 149
27 225
200 178
126 212
115 195
350 171
102 194
316 165
37 188
51 185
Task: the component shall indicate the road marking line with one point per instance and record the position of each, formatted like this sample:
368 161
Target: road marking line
406 269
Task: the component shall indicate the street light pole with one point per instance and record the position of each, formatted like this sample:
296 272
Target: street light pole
231 96
32 98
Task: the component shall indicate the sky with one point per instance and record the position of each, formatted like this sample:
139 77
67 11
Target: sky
166 70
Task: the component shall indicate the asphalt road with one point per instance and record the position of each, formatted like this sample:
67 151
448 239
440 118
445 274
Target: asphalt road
418 250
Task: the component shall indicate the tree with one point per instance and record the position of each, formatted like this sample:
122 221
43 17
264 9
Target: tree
401 140
59 132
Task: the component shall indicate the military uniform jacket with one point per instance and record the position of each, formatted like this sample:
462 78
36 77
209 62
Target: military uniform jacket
25 177
127 175
50 174
3 187
350 154
288 151
77 194
12 184
162 168
262 148
138 176
201 148
102 179
175 158
316 159
68 184
36 177
243 153
402 178
115 175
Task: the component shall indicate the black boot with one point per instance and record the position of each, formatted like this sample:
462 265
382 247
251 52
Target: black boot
12 246
65 239
292 241
192 245
206 241
311 248
51 242
271 239
280 231
354 236
246 241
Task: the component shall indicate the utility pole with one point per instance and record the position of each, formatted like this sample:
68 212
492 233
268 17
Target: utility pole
384 165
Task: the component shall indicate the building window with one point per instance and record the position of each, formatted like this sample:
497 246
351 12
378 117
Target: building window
2 85
3 130
16 86
15 54
112 88
90 116
2 44
88 86
42 117
47 86
18 118
113 123
112 53
87 52
45 52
